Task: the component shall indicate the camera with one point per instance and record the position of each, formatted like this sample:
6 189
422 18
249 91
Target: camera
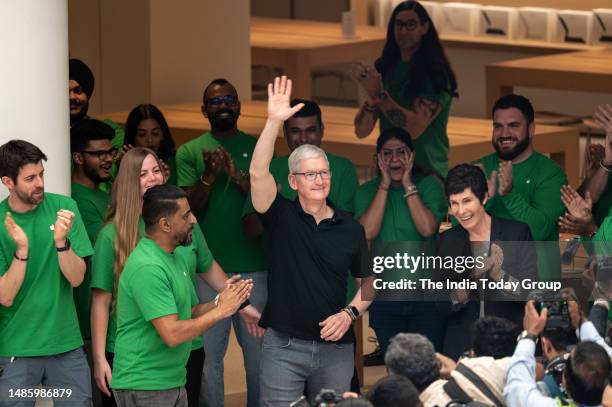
325 398
558 313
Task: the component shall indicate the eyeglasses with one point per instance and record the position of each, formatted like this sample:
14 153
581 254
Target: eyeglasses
408 24
218 100
389 154
310 176
100 154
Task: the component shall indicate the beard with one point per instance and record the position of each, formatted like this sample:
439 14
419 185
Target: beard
82 113
93 174
509 155
186 239
30 199
218 123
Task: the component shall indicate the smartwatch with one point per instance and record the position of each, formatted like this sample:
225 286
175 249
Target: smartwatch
527 335
65 248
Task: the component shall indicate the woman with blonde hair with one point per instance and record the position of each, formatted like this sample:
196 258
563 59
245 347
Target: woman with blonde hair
140 170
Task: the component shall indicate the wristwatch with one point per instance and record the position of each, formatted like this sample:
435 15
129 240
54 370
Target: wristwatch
527 335
65 248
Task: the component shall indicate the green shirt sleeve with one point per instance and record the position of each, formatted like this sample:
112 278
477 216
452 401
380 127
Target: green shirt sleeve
542 212
432 194
204 256
103 275
185 167
364 196
348 188
154 294
79 241
248 208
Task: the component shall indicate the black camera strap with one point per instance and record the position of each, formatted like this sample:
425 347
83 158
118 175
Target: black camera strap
456 393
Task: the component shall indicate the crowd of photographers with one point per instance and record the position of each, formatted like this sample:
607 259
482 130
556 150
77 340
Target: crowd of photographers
561 357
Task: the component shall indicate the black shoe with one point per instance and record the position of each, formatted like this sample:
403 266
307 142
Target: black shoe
375 358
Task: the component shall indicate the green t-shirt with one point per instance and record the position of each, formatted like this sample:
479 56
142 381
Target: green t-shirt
535 199
42 320
222 220
196 258
397 224
432 146
92 204
602 207
153 284
344 182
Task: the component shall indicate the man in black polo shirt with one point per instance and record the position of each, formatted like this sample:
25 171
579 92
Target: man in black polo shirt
312 247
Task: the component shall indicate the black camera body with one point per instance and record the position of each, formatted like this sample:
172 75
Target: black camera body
325 398
558 312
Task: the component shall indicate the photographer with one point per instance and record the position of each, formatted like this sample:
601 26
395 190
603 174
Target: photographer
392 391
556 346
440 380
480 377
586 372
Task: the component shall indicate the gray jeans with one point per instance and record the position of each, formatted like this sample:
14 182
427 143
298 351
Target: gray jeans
67 372
216 340
151 398
288 363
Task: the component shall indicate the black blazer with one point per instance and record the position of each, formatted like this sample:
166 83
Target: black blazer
520 259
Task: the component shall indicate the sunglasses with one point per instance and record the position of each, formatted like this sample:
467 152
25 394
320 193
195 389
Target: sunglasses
218 100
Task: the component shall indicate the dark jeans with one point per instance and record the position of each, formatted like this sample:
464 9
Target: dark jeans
151 398
388 318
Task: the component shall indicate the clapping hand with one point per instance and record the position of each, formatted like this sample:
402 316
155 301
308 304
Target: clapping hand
505 177
213 161
367 78
17 234
233 296
62 226
593 153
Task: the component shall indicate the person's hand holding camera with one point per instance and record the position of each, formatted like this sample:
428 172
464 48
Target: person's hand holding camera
533 322
575 314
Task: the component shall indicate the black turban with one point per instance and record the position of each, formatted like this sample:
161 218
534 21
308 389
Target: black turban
78 71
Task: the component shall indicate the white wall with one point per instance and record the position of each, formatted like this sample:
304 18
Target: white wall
34 72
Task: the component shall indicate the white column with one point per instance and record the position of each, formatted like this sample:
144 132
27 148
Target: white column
34 83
